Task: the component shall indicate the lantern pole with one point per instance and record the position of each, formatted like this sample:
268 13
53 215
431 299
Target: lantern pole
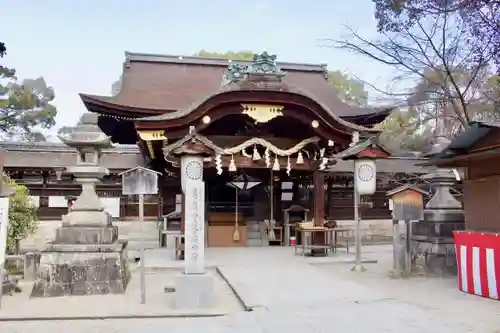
358 266
142 250
271 196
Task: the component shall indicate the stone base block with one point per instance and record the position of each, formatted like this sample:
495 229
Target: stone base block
86 235
82 273
441 264
88 218
194 291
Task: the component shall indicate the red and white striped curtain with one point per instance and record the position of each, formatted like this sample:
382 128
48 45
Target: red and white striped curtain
478 258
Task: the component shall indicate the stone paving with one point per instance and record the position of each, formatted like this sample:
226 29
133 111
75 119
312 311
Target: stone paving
288 294
158 303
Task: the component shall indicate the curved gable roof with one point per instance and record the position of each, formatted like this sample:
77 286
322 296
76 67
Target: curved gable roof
156 84
250 87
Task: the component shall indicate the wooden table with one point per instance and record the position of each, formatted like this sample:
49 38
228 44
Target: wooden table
333 234
306 236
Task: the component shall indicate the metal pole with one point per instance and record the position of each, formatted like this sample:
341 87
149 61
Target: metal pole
141 238
407 248
358 266
396 248
271 196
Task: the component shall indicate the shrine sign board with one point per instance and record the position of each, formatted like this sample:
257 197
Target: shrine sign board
139 180
407 203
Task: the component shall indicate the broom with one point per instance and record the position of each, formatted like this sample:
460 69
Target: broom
271 236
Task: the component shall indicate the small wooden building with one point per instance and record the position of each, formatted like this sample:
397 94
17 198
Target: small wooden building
477 151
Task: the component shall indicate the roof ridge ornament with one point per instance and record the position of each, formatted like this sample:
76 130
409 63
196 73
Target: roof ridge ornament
262 64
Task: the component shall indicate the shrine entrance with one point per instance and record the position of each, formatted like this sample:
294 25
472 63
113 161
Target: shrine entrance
259 197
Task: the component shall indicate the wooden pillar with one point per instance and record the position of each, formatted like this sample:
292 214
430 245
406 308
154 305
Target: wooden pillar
319 198
319 238
328 208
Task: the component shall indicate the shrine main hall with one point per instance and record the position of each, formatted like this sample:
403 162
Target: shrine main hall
269 133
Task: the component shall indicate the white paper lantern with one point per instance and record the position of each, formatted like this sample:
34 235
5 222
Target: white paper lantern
365 178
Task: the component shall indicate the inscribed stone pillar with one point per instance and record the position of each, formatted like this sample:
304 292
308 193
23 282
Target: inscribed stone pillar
5 192
194 213
194 288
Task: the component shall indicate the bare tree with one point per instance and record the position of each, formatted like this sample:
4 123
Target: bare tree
440 71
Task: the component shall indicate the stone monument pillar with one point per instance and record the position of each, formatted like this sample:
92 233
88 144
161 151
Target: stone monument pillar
86 256
443 214
6 284
194 288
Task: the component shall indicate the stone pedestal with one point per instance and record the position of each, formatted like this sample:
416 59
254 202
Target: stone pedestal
86 257
194 291
82 269
82 260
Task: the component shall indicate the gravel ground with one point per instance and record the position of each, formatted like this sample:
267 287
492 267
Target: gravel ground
435 294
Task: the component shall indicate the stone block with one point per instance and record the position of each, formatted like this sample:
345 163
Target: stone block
31 262
194 291
82 273
86 235
88 218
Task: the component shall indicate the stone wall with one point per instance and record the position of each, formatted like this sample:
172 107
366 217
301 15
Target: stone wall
373 231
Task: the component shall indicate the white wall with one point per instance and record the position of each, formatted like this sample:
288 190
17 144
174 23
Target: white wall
111 205
58 201
35 200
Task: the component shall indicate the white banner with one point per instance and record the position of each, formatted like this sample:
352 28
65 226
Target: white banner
194 230
111 205
58 201
4 224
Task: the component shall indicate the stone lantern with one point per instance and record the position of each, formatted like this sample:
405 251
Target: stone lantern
86 256
443 214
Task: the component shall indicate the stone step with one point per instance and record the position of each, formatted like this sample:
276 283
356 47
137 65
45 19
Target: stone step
253 226
254 242
148 244
254 235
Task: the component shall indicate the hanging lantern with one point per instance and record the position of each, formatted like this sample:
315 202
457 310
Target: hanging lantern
256 155
276 165
241 183
232 165
300 158
267 158
288 166
331 143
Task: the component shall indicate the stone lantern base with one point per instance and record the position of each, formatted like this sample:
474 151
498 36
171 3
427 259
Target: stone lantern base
83 260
